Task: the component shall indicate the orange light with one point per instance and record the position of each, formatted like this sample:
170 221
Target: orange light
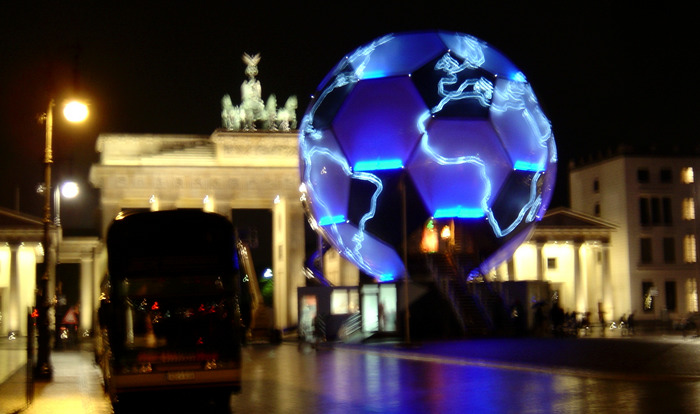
429 242
446 233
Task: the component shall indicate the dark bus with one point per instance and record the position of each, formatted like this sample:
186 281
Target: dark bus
170 316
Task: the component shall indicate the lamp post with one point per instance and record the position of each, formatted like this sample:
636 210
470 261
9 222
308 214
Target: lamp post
74 112
404 249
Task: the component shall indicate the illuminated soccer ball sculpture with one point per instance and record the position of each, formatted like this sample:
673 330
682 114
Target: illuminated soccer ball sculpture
440 120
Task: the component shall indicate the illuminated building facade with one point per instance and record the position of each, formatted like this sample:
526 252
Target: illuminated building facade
651 197
259 170
570 251
221 173
627 243
21 250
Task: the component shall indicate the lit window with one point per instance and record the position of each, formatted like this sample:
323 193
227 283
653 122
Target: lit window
691 287
648 293
687 175
344 301
689 252
689 208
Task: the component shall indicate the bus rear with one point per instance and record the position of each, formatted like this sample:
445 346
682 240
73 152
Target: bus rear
170 318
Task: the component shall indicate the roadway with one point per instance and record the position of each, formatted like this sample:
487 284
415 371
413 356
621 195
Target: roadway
659 373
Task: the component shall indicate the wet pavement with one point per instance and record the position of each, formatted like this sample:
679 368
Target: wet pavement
525 375
659 373
659 357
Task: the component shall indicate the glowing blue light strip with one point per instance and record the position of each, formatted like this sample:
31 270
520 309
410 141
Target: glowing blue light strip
377 165
309 153
352 252
364 54
442 160
528 166
325 221
359 60
459 212
386 278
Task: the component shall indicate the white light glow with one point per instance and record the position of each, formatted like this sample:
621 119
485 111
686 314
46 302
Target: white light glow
70 189
480 89
75 111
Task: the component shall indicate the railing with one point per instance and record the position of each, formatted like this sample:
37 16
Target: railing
471 304
351 326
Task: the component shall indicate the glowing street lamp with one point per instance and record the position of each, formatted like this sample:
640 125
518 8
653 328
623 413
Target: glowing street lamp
74 112
68 189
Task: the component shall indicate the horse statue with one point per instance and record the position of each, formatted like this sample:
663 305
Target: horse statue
253 112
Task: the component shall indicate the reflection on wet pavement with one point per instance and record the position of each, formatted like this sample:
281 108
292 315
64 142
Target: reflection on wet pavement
285 379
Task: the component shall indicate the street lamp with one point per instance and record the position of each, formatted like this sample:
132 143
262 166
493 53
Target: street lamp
74 112
68 189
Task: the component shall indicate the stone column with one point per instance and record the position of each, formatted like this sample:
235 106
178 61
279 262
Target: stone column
87 300
540 260
579 291
14 316
606 278
279 264
288 258
501 272
511 270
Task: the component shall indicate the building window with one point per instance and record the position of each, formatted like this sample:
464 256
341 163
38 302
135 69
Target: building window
645 250
667 211
688 208
670 287
655 211
648 294
691 288
596 209
551 263
687 175
344 301
669 250
643 175
666 175
644 211
596 186
689 252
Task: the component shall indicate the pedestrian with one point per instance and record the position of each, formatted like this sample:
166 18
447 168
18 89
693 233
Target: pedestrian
601 319
630 323
557 317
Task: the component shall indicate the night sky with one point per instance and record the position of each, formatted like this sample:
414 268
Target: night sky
603 75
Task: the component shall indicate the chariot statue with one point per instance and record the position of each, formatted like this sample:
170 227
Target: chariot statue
253 112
